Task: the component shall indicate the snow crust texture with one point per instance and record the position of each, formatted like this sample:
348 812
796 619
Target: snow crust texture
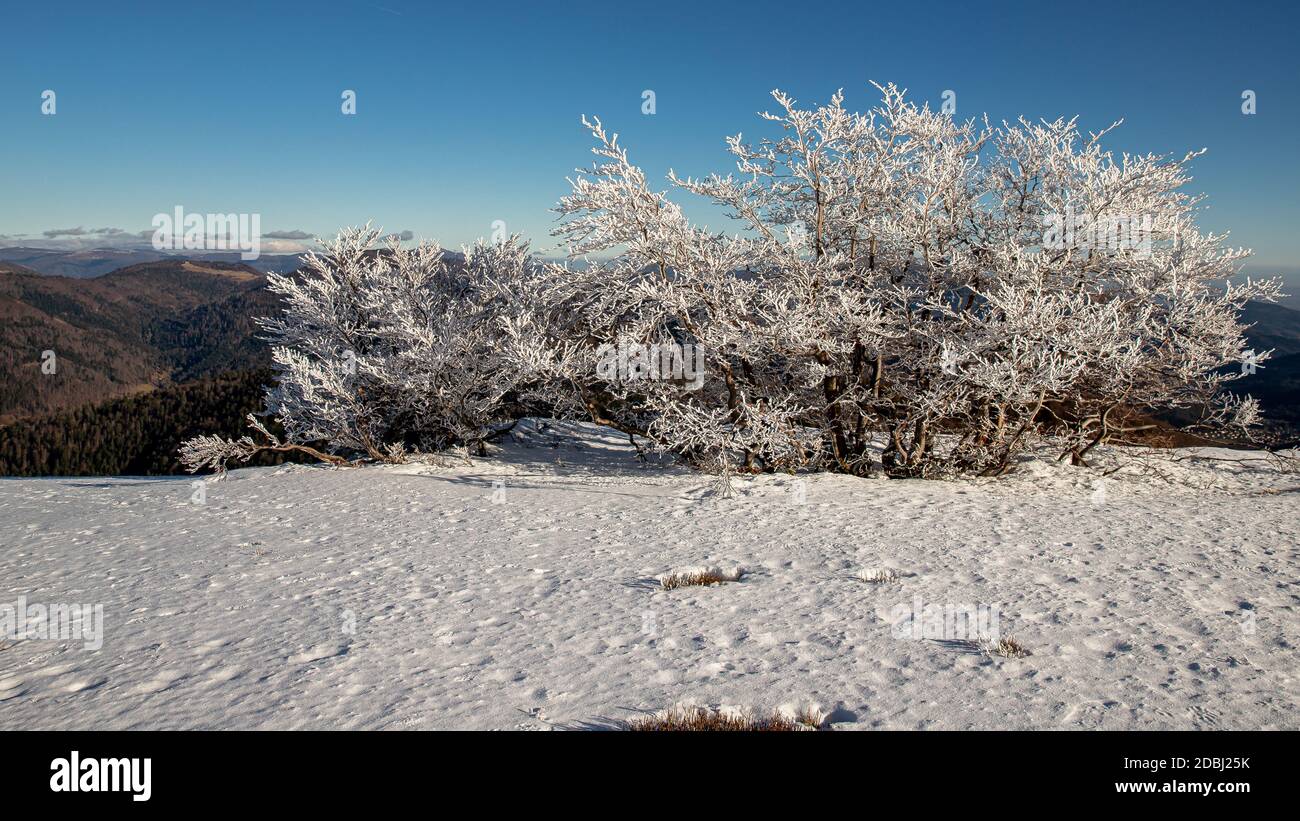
522 592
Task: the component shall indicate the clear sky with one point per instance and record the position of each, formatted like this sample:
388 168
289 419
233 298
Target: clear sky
468 112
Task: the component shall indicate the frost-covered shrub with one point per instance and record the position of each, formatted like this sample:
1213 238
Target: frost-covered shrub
381 348
953 290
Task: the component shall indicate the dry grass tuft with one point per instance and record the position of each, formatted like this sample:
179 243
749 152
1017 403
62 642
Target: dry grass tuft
1007 648
699 577
692 719
811 718
702 578
879 575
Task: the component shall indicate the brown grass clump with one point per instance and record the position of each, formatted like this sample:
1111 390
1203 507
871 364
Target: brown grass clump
1007 648
701 578
879 575
811 718
692 719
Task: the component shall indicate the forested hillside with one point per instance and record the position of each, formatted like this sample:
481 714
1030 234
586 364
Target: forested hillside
133 436
67 342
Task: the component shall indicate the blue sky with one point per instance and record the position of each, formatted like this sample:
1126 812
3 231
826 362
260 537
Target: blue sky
468 113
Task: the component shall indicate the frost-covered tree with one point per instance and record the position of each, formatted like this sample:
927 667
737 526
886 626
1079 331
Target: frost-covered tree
957 289
380 349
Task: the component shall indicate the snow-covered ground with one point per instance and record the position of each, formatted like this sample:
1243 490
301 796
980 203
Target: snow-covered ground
435 597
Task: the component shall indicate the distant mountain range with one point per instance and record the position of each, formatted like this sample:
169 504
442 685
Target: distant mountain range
1276 382
85 264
